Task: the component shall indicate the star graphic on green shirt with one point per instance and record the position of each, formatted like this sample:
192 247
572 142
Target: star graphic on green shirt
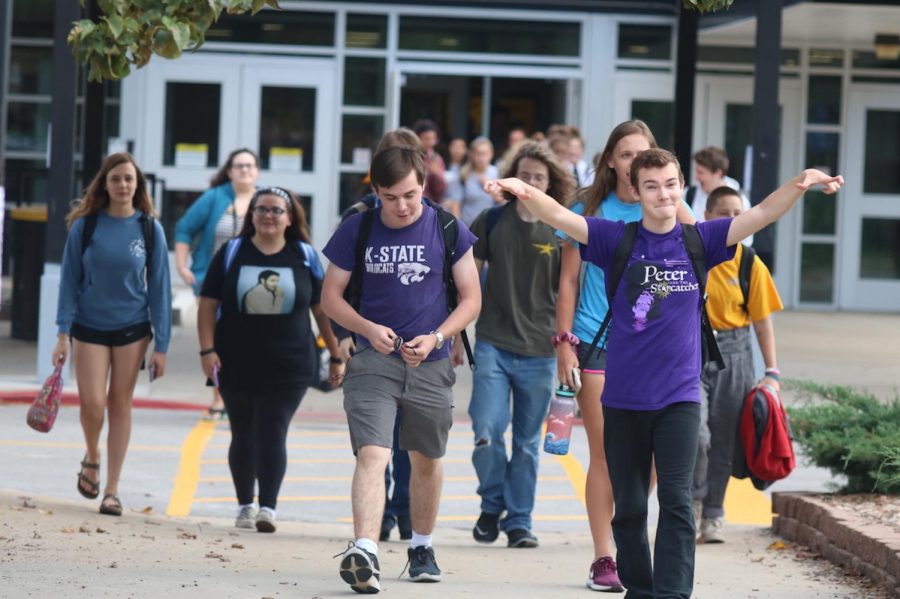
544 248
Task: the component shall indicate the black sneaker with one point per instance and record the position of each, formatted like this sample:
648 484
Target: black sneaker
359 569
521 538
486 529
387 524
422 567
405 526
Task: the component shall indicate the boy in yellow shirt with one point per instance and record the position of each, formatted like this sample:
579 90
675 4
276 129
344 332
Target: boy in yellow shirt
723 391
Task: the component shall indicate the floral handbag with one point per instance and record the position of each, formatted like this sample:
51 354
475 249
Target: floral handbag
42 413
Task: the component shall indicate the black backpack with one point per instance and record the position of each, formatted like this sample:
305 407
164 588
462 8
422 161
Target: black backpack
147 229
450 234
744 271
694 247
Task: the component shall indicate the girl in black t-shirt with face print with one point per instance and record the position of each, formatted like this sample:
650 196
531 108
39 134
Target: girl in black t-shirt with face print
256 342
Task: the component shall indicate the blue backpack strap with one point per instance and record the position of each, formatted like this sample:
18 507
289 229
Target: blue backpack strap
231 250
311 259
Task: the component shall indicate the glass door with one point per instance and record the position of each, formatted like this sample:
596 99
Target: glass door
870 219
723 117
288 116
282 108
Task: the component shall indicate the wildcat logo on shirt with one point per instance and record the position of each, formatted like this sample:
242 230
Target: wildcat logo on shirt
648 284
406 261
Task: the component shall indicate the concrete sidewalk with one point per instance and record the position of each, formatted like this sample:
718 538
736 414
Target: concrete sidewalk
60 549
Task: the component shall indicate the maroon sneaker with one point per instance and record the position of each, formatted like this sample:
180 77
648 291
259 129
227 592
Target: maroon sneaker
604 577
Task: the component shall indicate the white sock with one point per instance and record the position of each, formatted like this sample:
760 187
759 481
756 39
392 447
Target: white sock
243 505
367 544
420 540
268 509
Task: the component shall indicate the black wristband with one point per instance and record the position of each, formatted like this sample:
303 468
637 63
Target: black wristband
333 360
207 351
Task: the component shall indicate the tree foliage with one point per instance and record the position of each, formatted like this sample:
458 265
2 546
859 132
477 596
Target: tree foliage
851 433
703 6
130 32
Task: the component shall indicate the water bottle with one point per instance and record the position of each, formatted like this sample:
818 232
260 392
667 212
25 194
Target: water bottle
559 421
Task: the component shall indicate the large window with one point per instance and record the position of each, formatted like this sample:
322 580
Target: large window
882 157
489 36
192 124
276 27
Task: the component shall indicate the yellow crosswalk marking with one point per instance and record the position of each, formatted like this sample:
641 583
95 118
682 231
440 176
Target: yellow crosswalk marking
744 504
80 445
188 476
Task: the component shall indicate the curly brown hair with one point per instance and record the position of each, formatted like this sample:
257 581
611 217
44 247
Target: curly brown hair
562 182
96 198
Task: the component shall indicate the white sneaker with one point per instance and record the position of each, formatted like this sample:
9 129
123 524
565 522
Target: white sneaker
246 517
711 530
265 520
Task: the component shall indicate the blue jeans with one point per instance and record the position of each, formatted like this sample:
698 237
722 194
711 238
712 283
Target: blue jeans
509 484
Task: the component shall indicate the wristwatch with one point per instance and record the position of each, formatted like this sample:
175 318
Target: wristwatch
440 339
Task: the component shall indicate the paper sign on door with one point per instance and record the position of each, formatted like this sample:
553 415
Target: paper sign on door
286 159
191 155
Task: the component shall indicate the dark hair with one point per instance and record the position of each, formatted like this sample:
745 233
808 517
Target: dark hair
562 183
298 230
653 158
713 158
393 164
718 193
96 197
265 274
424 125
605 179
401 136
221 177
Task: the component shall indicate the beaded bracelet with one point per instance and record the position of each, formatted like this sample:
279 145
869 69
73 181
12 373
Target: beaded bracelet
564 337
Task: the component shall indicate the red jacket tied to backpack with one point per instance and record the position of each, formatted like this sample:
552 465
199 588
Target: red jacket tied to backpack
766 436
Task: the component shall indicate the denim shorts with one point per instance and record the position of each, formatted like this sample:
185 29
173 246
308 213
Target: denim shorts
376 385
116 338
595 363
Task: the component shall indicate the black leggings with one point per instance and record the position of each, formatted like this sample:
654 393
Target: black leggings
259 424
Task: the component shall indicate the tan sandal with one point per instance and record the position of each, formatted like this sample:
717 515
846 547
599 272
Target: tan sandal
113 508
93 488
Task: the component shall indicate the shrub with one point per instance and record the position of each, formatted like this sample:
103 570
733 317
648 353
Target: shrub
852 433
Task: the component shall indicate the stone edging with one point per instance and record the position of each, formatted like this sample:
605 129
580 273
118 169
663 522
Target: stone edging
840 536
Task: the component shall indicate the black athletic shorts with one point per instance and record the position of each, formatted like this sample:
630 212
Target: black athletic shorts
116 338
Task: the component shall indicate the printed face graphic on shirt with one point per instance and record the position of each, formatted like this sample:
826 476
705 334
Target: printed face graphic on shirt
649 284
407 262
265 290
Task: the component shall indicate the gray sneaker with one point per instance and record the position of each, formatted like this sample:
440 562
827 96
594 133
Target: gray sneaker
359 569
422 566
711 530
265 520
246 517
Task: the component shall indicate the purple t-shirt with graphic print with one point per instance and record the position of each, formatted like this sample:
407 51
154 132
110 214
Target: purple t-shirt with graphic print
403 281
654 349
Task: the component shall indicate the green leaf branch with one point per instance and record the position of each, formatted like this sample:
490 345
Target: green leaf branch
704 6
130 32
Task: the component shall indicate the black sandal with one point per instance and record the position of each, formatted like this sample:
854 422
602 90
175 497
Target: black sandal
83 480
114 508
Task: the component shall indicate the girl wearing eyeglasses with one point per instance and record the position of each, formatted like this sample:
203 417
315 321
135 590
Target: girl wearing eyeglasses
214 218
259 349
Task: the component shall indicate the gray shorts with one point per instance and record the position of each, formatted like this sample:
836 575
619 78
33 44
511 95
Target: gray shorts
375 386
595 363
